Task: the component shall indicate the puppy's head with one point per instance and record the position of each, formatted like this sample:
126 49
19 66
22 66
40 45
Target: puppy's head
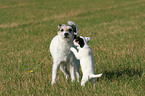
80 41
65 31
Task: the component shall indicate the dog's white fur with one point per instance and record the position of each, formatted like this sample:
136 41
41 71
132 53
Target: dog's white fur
86 60
61 54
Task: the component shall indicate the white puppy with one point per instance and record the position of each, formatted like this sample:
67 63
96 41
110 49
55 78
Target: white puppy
85 56
61 54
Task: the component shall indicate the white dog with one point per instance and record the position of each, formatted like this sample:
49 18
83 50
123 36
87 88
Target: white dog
85 56
61 54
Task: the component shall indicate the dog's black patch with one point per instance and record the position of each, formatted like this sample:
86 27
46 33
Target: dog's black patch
74 28
80 41
70 30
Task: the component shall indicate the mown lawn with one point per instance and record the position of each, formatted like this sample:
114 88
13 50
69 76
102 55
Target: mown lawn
117 29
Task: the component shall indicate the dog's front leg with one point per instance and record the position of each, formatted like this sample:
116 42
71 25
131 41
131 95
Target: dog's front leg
64 70
77 68
54 72
72 68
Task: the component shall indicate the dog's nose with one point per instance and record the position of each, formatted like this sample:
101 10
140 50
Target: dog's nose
65 34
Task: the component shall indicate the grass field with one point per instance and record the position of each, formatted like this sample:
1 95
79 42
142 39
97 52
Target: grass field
117 29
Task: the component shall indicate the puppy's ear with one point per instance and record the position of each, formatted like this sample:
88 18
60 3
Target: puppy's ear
87 38
59 27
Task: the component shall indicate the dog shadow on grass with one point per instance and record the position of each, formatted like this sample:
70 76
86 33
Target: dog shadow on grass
121 73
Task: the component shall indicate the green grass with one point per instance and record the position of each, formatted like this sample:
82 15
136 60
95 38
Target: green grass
118 35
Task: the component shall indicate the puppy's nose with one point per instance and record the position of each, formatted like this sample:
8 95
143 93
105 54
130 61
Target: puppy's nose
65 34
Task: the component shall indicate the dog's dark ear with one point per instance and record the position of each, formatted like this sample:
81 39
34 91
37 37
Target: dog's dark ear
59 27
74 28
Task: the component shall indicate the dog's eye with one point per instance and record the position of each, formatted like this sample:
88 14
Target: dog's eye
70 30
61 30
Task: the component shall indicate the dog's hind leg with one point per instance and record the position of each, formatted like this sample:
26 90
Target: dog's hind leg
64 70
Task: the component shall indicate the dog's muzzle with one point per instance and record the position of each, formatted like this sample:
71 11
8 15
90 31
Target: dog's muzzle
66 35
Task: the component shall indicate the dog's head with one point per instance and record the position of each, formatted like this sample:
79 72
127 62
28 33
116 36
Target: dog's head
66 31
81 41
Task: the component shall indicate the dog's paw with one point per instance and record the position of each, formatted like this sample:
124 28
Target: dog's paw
53 82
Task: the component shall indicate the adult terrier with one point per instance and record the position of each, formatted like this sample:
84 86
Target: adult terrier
61 54
85 56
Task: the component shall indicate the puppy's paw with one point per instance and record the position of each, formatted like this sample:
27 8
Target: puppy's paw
72 49
83 84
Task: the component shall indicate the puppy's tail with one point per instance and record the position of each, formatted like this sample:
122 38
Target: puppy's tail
95 76
75 28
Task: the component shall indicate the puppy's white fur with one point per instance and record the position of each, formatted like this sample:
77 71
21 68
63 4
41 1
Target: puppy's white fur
61 54
85 56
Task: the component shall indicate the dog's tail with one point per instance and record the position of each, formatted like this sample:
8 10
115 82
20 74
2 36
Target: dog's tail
95 76
75 28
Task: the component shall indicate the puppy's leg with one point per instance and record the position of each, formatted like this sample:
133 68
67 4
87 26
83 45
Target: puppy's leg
54 72
84 80
75 52
77 62
64 70
94 81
